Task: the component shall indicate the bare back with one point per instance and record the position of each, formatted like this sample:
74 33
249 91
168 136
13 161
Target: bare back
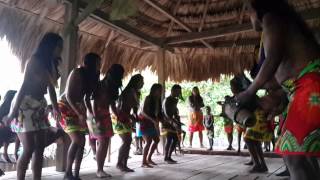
75 90
128 100
294 49
36 79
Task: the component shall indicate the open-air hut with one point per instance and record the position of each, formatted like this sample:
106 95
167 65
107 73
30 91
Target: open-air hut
200 39
190 40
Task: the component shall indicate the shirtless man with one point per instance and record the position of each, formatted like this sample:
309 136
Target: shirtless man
292 56
171 124
100 125
80 86
129 100
28 111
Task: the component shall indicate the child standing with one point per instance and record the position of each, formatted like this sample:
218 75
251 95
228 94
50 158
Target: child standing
209 125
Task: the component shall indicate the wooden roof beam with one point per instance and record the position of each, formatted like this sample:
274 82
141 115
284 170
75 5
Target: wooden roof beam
93 5
122 27
161 9
219 44
234 29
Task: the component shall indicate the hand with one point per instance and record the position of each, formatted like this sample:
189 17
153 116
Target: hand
244 97
6 121
82 118
57 115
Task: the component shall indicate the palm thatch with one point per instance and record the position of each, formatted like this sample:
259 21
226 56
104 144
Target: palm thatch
23 22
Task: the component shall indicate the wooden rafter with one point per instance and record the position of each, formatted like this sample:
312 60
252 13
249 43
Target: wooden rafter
120 26
204 15
171 21
219 44
164 11
234 29
93 5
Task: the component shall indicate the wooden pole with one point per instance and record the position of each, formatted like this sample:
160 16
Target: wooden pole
161 54
69 62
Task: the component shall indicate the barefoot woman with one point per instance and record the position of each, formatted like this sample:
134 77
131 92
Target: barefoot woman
80 85
100 126
150 116
28 111
129 100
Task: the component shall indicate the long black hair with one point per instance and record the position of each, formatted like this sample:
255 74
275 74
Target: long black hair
90 72
153 101
45 50
134 80
113 80
5 106
155 87
283 9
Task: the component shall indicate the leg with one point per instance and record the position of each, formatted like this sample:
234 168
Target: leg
101 155
16 148
79 155
5 152
124 152
136 140
93 145
140 145
148 141
253 154
299 167
201 139
173 146
152 149
183 137
76 143
40 138
259 152
210 143
313 161
28 144
190 140
169 140
230 140
239 141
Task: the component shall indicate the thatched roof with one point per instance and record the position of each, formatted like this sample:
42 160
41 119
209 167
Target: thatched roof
191 59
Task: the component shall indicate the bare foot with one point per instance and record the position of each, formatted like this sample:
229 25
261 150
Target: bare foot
250 163
146 165
6 158
102 174
121 168
152 163
128 169
1 172
68 177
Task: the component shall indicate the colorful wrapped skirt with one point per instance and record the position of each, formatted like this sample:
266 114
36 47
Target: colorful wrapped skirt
32 116
301 129
260 131
100 127
195 121
122 124
70 121
148 128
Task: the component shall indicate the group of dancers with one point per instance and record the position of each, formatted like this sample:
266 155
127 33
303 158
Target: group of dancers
291 66
87 106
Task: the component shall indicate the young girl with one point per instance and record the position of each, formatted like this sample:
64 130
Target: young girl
208 123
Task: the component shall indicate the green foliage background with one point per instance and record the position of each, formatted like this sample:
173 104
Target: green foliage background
211 92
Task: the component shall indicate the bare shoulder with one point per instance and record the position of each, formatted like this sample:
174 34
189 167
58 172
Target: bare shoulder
273 22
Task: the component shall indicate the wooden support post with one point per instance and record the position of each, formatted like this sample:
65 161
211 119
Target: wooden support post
161 70
69 62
